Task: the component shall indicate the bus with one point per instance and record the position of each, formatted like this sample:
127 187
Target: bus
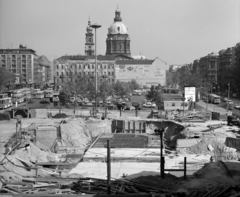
48 93
214 99
19 98
5 102
39 95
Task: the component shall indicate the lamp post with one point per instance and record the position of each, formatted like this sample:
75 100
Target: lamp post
95 26
160 133
228 96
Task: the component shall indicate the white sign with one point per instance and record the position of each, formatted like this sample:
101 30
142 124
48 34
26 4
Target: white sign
190 93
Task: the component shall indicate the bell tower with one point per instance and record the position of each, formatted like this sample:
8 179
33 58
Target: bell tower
89 44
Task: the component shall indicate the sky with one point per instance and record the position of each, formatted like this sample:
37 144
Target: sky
176 31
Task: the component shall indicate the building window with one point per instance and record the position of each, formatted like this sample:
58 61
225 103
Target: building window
173 104
57 74
93 66
88 66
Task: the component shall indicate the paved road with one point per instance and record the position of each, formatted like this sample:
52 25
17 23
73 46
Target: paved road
212 107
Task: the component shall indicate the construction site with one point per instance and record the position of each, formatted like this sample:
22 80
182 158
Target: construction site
68 154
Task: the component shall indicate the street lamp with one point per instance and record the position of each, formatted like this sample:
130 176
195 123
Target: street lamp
95 26
160 132
228 96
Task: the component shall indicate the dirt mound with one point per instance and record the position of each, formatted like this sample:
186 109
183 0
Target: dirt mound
202 146
60 115
169 181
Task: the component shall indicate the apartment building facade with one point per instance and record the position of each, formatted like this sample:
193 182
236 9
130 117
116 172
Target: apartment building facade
25 64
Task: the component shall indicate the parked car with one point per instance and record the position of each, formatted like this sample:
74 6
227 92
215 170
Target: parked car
149 105
89 104
230 102
44 102
30 101
129 107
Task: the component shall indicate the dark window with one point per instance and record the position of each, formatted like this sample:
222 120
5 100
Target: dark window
173 104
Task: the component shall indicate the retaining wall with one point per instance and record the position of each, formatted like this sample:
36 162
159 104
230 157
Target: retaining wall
233 143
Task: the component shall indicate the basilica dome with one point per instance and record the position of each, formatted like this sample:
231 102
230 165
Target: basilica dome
117 28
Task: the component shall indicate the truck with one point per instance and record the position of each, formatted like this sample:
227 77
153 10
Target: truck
234 119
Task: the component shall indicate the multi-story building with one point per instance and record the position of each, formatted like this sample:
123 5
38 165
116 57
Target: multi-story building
145 72
24 64
226 64
237 66
83 65
208 67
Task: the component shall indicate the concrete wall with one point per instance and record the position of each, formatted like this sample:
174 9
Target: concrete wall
233 143
97 127
46 135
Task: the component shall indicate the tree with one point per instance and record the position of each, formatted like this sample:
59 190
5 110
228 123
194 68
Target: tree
79 84
154 95
105 89
121 88
64 97
133 85
6 78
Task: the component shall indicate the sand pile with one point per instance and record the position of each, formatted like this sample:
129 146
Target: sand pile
60 115
75 136
35 154
214 174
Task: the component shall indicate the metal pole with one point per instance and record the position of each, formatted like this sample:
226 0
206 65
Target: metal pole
54 78
228 96
185 168
161 149
95 71
108 168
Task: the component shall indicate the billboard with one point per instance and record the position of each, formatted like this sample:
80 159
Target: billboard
190 93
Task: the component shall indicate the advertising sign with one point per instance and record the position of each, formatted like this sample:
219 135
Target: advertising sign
190 93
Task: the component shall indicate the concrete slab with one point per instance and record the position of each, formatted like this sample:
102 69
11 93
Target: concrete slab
135 169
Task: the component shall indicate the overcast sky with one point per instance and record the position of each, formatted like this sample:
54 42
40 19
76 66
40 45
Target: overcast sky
176 31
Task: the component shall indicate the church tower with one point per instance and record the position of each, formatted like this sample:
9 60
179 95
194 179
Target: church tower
89 44
118 40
